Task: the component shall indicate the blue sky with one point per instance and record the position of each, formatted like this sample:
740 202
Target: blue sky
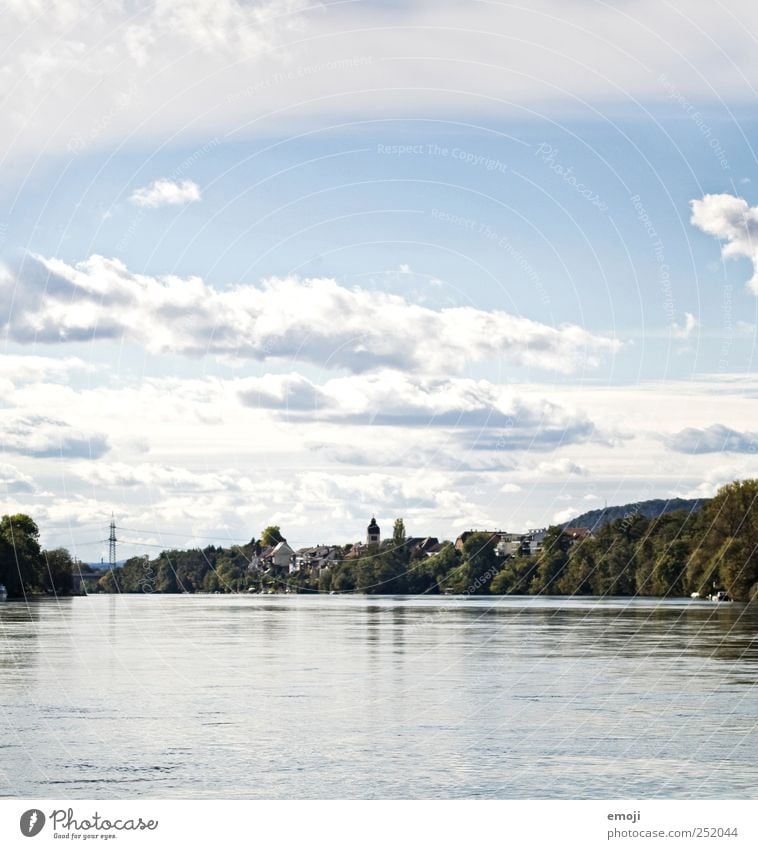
275 263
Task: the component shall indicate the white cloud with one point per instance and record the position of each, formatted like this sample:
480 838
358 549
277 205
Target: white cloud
563 516
285 61
685 331
395 398
712 481
715 439
561 468
510 487
164 478
313 320
13 480
732 220
165 192
45 436
23 368
216 467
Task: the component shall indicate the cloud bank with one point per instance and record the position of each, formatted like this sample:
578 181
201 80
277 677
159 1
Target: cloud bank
43 436
310 320
159 65
712 440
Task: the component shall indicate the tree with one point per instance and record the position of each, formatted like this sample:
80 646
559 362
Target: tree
427 574
59 571
272 535
479 567
398 534
21 567
515 577
728 553
551 563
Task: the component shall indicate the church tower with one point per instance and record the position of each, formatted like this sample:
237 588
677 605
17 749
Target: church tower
373 536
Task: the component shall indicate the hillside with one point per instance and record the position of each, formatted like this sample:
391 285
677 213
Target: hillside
649 509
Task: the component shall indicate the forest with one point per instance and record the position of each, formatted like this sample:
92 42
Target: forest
674 554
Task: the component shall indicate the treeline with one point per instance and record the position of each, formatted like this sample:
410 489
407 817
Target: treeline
27 569
674 554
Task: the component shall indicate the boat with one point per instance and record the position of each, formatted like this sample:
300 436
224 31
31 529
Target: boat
720 595
3 593
695 595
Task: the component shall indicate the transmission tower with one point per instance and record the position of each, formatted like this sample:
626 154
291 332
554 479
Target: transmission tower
112 544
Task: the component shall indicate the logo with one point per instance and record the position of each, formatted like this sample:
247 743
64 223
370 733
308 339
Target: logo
32 822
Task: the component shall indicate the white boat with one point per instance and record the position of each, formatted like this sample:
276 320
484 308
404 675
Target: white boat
695 595
3 593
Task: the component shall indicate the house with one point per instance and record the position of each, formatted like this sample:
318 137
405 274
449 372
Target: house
316 559
509 545
577 534
277 558
255 562
418 547
533 541
497 536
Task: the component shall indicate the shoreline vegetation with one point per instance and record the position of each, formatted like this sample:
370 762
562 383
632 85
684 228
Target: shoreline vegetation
674 554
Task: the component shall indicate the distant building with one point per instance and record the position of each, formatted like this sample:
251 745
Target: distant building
422 546
373 534
497 536
316 559
508 547
577 534
533 541
277 558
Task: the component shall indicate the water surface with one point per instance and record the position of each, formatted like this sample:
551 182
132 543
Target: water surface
366 697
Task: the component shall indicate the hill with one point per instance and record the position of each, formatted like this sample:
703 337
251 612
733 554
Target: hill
594 519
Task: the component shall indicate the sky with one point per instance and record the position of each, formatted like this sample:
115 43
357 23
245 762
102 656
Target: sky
475 265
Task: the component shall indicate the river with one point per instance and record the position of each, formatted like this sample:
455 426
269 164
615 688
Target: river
377 697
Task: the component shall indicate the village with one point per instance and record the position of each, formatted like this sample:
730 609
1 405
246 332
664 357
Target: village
281 559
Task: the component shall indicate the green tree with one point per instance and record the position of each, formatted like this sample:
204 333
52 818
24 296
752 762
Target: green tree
428 574
480 565
59 571
551 562
21 568
515 577
728 552
398 533
271 536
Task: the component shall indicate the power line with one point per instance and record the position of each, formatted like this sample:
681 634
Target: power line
112 543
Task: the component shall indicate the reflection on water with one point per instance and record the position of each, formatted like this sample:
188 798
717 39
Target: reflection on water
355 697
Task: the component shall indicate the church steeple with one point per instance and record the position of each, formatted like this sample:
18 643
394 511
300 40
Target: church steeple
373 535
